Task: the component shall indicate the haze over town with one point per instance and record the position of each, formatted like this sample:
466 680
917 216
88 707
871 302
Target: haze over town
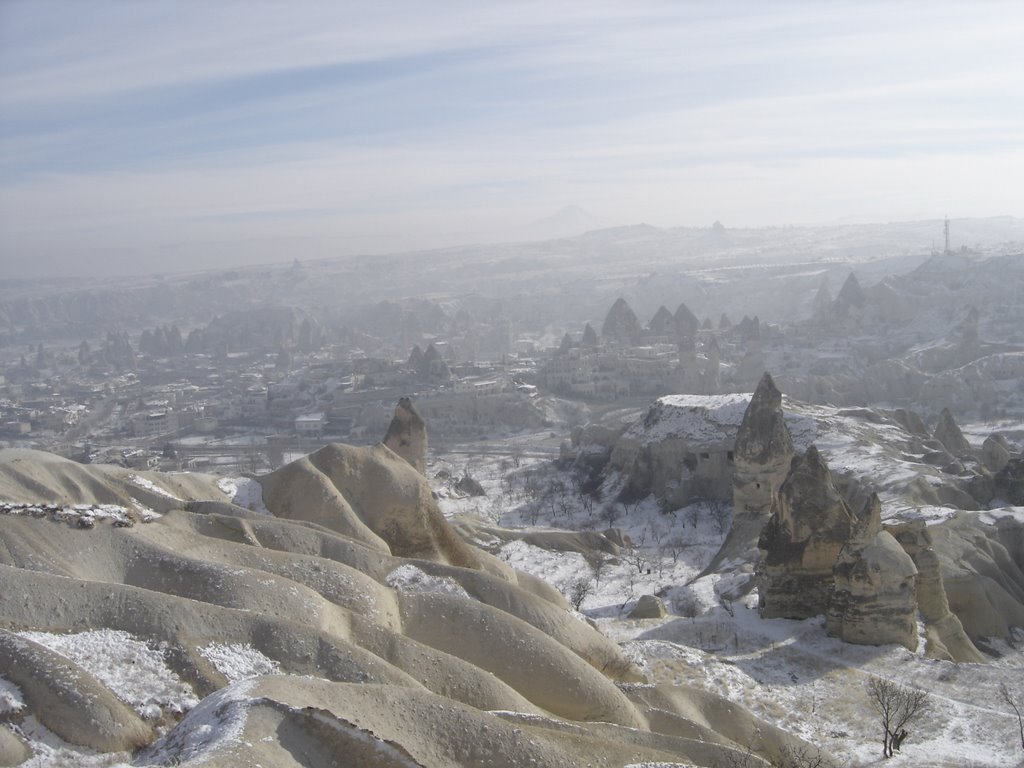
143 137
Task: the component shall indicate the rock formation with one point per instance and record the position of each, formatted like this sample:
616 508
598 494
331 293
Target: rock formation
944 634
680 451
621 324
809 525
662 324
391 641
948 433
761 457
686 322
407 435
649 607
995 452
873 600
1009 482
851 298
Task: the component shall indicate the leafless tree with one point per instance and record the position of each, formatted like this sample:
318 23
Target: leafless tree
675 546
579 590
721 515
897 707
1008 697
610 513
598 564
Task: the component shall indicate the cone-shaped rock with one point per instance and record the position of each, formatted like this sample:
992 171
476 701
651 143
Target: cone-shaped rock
851 296
662 323
407 435
809 525
416 358
761 458
687 323
995 452
621 323
948 433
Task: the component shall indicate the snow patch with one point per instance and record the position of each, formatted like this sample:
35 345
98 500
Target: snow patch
149 485
244 492
239 661
10 698
134 671
410 579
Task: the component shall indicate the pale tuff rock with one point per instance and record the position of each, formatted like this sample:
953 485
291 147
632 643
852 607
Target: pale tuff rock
621 323
944 634
911 421
686 322
680 452
433 365
407 435
851 297
662 324
763 437
649 607
995 452
809 525
13 750
761 457
948 433
68 700
762 453
872 601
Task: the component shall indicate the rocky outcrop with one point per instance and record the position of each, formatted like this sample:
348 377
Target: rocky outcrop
850 299
391 641
433 366
948 433
983 579
662 324
873 598
407 435
944 634
649 607
686 322
681 450
761 457
621 324
809 525
995 452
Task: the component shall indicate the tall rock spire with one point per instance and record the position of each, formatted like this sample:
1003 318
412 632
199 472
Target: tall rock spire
407 435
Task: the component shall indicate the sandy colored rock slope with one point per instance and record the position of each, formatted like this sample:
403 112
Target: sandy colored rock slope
396 643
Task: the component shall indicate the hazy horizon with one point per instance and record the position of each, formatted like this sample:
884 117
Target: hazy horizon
164 137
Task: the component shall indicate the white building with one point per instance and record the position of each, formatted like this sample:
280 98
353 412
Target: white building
311 424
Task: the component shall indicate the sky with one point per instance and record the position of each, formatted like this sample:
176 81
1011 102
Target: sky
152 136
